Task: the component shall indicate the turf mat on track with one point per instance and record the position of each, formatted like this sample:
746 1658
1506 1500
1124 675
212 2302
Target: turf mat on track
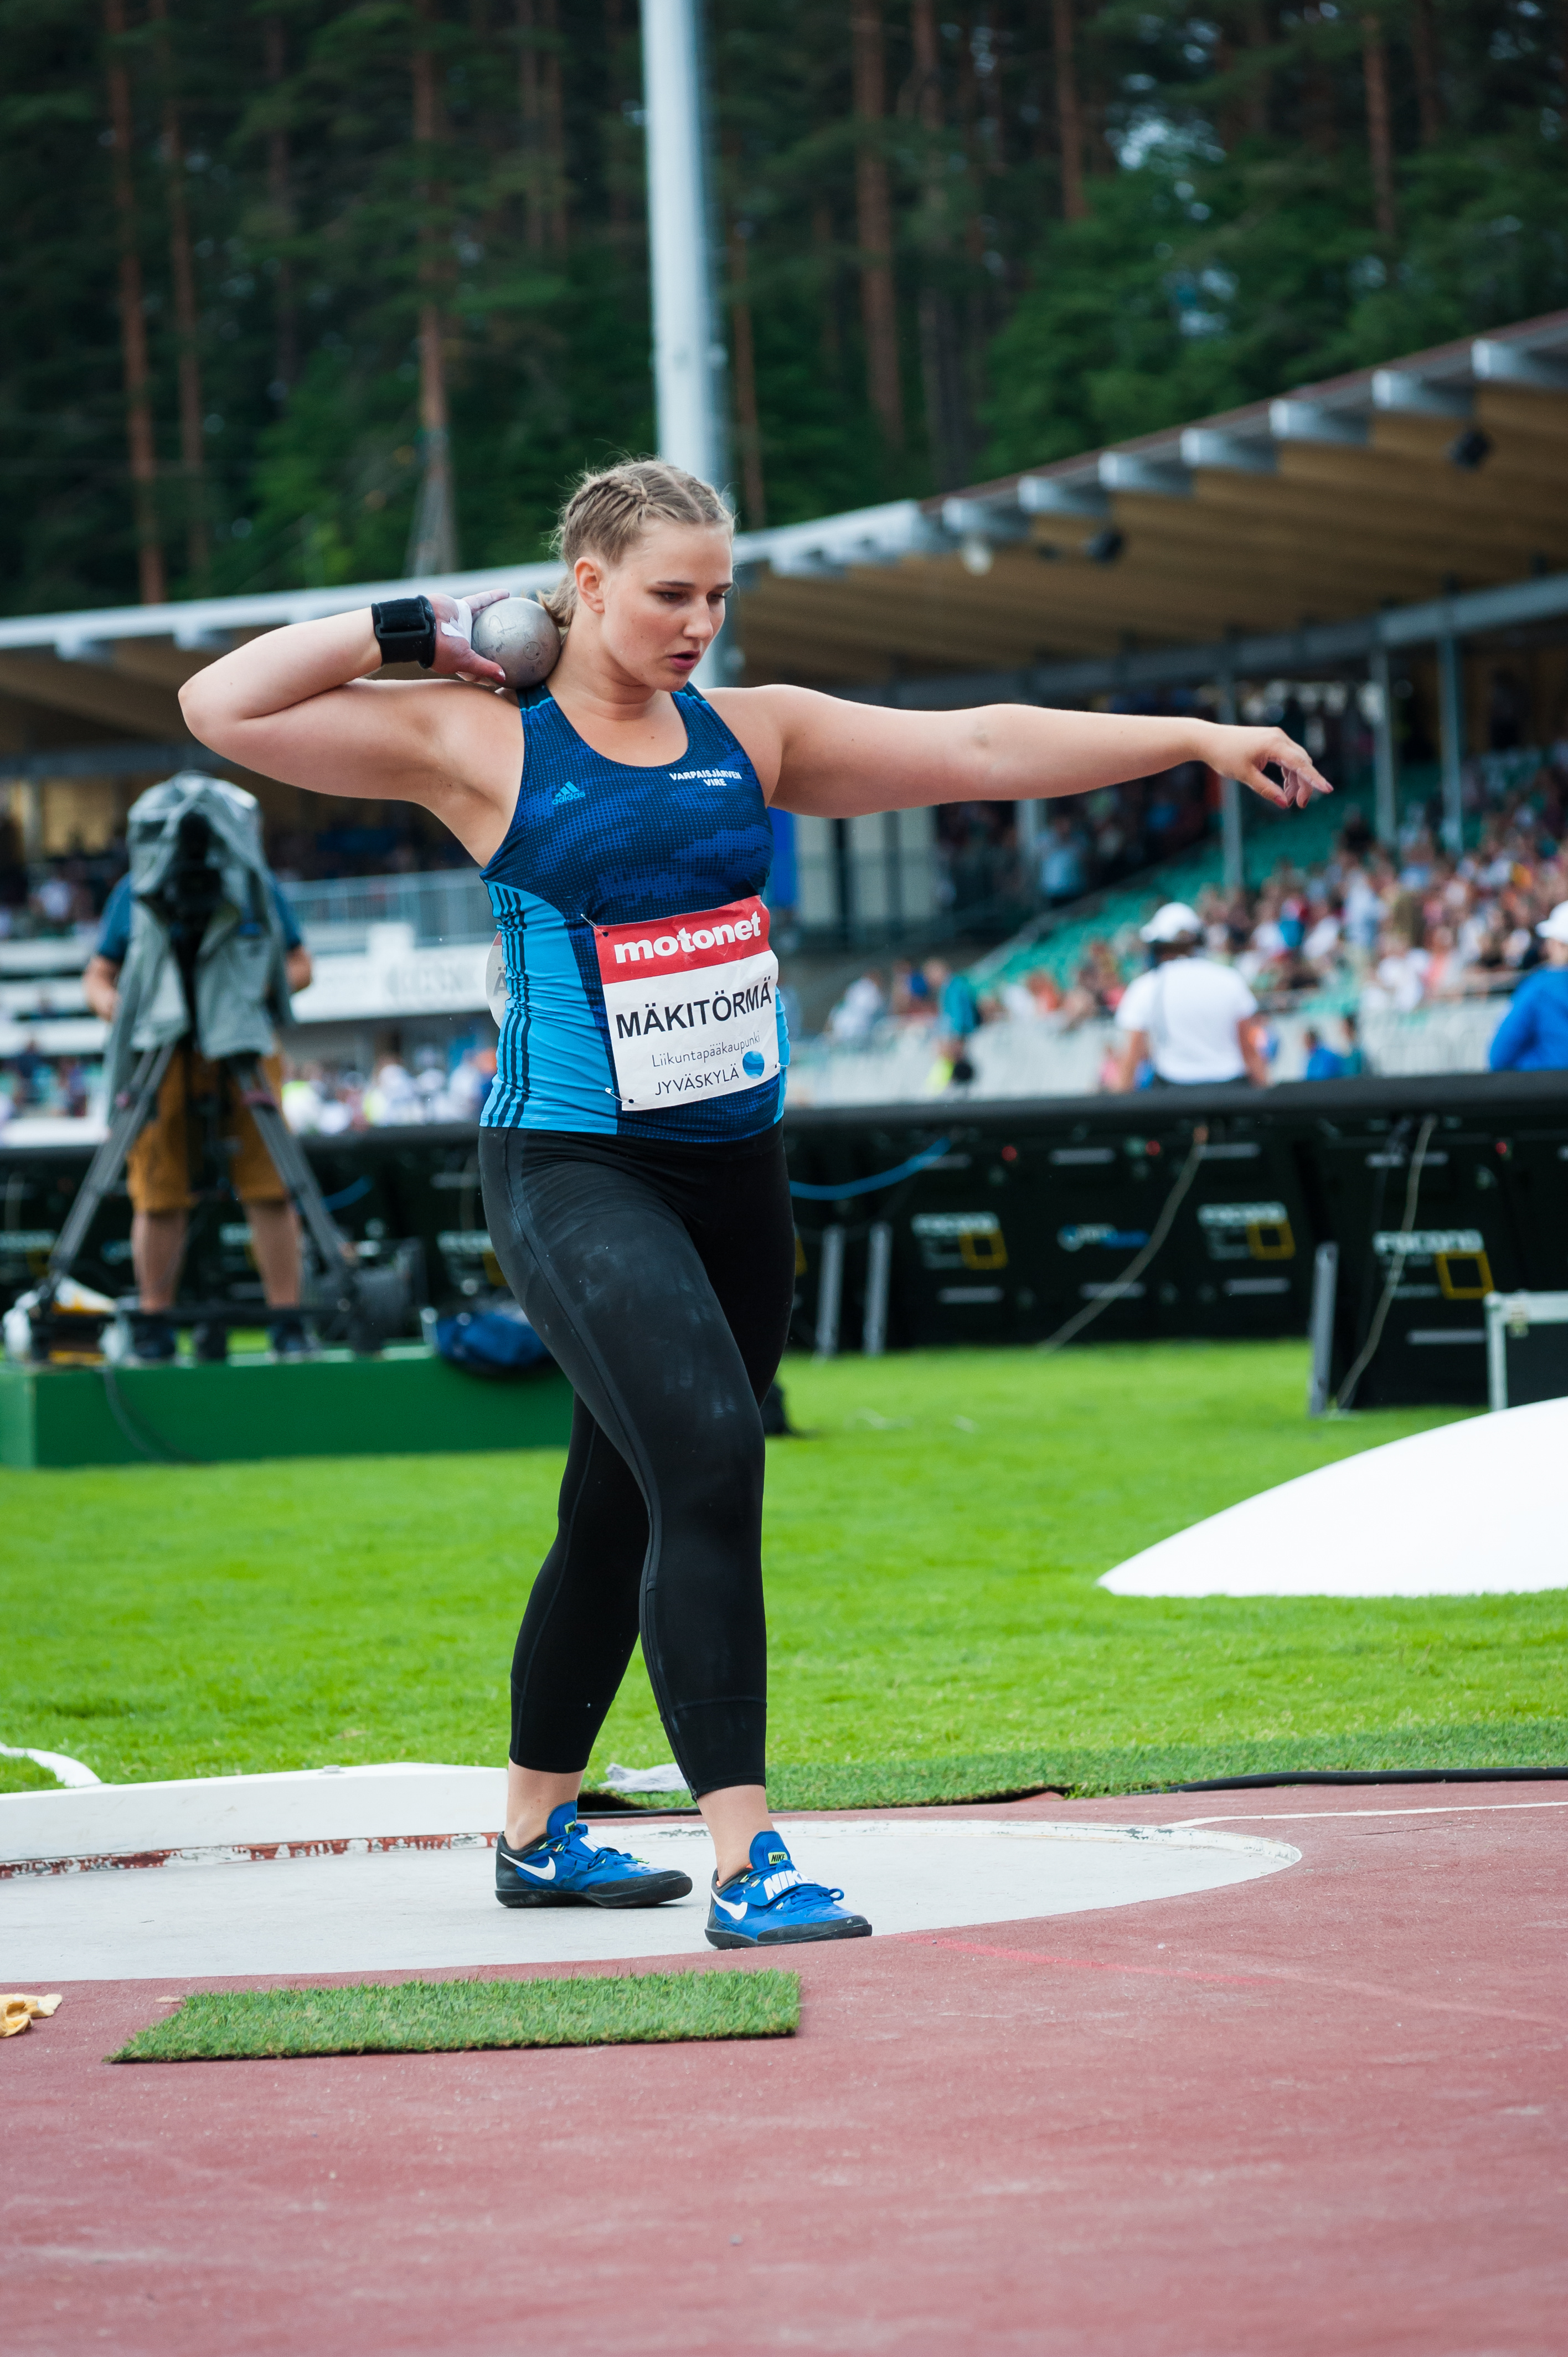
440 2017
1079 1771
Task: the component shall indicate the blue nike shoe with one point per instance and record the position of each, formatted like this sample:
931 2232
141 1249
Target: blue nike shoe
565 1870
770 1907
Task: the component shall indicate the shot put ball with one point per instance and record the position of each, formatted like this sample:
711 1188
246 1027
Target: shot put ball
516 633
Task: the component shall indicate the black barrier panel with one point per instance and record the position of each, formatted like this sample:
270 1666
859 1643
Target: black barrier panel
1033 1206
850 1157
1531 1166
1038 1205
38 1188
1037 1212
421 1185
1423 1249
1535 1361
1236 1261
965 1259
1436 1274
384 1188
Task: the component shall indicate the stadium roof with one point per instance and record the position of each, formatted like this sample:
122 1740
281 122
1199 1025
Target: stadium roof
1236 542
1388 506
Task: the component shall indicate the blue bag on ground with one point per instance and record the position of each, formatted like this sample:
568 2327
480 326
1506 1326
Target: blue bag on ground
497 1342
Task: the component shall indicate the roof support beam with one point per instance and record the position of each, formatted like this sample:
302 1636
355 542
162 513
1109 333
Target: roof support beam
1400 389
1312 421
1122 471
133 760
1047 495
1500 364
1326 646
1236 454
89 692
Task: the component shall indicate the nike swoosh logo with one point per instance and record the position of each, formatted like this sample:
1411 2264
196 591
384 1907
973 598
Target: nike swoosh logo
540 1873
737 1910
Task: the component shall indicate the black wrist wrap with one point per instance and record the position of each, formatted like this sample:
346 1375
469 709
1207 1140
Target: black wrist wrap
405 631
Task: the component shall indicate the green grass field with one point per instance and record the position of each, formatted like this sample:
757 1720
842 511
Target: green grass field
932 1545
446 2016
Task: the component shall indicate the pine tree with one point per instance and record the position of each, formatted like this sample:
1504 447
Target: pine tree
259 262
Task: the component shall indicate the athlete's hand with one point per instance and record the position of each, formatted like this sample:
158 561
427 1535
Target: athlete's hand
1249 754
455 656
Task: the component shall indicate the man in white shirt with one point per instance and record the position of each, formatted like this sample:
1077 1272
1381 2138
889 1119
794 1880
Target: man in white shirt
1193 1020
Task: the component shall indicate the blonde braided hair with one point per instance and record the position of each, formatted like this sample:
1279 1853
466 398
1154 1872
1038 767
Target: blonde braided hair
608 513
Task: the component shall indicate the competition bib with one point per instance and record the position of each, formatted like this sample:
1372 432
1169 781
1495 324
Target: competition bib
691 1005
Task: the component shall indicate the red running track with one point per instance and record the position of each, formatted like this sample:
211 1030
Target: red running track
1322 2111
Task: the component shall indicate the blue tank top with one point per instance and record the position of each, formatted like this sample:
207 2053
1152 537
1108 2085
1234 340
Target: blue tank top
593 844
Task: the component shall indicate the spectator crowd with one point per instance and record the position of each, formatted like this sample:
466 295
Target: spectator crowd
320 1100
1371 927
1392 927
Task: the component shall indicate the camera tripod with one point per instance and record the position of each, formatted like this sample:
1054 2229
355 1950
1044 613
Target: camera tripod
367 1305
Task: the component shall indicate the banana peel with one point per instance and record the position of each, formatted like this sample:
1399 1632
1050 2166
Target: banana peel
18 2013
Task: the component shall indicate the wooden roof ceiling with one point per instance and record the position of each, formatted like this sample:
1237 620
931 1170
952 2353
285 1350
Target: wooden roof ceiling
1389 486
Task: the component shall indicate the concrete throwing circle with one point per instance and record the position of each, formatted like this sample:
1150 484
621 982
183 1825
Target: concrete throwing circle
401 1909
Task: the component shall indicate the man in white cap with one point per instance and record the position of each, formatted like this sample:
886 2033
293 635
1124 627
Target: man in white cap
1533 1034
1189 1017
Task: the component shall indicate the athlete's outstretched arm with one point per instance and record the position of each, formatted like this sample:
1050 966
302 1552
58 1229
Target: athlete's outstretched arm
835 758
297 705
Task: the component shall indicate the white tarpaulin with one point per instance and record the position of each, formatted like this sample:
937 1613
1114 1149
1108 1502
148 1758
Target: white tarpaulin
1473 1508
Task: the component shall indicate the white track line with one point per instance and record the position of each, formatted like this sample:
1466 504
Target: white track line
72 1773
1442 1809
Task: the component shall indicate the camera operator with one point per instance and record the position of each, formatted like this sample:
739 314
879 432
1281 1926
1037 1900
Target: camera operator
158 1169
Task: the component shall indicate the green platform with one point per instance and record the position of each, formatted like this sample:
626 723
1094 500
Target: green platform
407 1401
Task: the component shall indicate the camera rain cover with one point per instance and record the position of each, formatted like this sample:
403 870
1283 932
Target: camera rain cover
240 985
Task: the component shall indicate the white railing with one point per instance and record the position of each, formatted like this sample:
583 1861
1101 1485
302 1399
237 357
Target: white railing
1026 1058
449 904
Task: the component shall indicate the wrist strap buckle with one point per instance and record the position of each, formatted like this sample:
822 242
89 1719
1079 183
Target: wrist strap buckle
405 631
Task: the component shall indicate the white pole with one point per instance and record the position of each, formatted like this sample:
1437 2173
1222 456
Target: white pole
1384 756
688 356
878 1275
829 1292
1235 856
1031 836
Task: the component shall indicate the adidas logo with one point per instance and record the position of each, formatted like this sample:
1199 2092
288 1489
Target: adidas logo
568 793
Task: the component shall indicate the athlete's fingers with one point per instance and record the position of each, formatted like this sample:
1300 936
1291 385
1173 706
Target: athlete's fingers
476 667
1297 786
454 630
1263 749
454 655
1249 754
1293 793
1302 778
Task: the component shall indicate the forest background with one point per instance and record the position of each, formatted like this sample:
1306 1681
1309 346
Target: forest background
322 290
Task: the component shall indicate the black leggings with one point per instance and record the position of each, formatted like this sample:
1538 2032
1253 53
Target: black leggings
660 1279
